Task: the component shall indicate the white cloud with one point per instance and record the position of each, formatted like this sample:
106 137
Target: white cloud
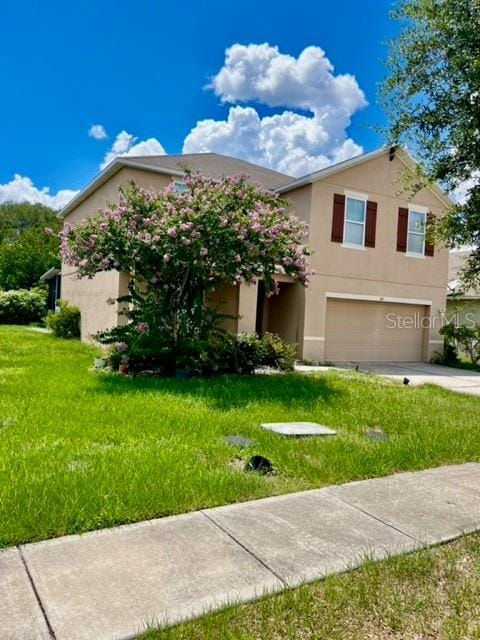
22 189
289 142
260 72
126 144
461 193
97 131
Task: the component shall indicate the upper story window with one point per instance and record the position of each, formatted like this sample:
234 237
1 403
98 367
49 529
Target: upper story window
355 217
180 187
415 231
417 221
354 220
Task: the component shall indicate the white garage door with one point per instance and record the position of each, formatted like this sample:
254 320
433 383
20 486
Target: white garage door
358 331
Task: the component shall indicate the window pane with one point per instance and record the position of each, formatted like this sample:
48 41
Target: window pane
355 210
354 233
415 243
180 187
416 222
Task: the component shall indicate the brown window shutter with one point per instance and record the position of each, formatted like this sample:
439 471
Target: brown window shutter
371 224
429 245
338 217
402 229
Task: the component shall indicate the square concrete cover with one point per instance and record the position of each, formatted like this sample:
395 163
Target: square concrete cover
298 428
307 536
20 615
427 506
157 572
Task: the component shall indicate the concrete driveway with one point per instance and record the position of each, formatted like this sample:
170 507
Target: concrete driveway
460 380
418 373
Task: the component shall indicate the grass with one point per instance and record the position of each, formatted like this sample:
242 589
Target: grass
432 595
81 450
466 363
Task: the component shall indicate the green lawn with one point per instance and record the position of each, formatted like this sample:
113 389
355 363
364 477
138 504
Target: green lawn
430 595
81 450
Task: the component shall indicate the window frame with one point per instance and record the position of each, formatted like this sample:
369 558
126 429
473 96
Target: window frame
181 184
420 211
363 198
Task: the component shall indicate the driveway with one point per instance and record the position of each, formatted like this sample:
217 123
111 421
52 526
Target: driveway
418 373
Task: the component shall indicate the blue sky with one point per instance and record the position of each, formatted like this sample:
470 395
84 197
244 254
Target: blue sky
142 68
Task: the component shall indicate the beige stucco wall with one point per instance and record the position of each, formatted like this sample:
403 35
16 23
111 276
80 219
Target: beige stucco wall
91 295
380 272
225 301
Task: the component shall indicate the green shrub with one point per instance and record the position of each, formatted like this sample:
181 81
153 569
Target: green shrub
219 353
467 337
448 356
22 306
65 323
275 352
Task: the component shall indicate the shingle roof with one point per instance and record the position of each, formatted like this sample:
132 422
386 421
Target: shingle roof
208 163
216 165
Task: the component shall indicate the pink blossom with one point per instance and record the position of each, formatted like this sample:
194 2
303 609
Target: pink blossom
171 233
121 346
166 258
143 327
203 252
48 231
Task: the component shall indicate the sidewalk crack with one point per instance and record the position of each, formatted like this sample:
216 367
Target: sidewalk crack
249 551
370 515
37 595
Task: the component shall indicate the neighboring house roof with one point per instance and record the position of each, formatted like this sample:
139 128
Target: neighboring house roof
208 163
455 287
399 152
48 275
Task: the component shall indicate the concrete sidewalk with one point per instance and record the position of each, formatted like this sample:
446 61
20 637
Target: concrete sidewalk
110 584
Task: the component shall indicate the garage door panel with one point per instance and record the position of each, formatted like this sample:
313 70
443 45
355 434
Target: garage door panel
358 331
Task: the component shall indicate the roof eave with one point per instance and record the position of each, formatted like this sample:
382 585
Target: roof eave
334 168
109 171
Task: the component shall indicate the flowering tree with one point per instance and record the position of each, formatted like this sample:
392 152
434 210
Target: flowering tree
178 247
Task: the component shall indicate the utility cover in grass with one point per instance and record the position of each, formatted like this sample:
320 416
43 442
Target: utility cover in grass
377 435
298 429
238 441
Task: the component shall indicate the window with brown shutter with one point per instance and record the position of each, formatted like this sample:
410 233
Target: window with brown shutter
402 229
429 245
338 217
371 224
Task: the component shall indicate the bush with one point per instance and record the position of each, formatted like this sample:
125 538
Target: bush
275 352
466 337
65 323
220 353
22 306
448 357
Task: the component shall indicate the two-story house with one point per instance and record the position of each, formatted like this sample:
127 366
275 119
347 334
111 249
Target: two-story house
379 286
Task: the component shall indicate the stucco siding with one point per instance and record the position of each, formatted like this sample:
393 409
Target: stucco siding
91 295
381 271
